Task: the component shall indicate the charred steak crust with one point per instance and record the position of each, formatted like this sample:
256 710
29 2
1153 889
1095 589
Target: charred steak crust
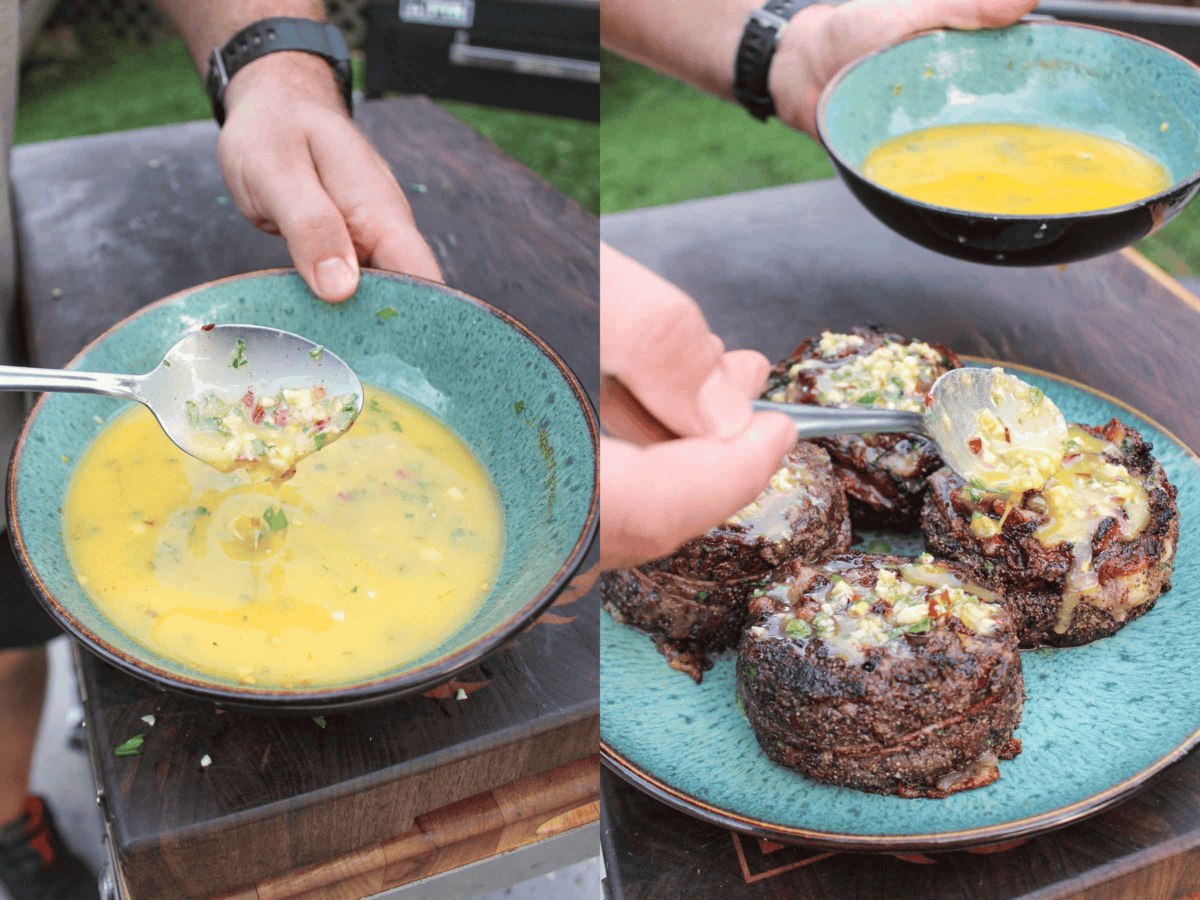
883 475
1033 576
694 602
922 715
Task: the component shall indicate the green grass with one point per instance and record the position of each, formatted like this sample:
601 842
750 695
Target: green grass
663 142
666 142
107 84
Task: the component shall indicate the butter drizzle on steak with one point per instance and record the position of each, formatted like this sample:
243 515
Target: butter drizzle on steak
693 602
1064 593
883 674
883 474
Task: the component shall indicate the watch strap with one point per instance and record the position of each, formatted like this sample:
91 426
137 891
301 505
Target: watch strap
270 36
759 40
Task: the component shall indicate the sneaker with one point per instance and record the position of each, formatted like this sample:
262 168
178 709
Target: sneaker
35 864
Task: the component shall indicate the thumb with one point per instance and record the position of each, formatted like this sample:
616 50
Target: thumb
319 242
654 498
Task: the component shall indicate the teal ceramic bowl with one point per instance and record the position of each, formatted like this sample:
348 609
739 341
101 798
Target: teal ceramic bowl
500 388
1038 72
1098 721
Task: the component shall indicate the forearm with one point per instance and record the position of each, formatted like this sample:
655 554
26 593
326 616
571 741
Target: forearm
693 40
206 26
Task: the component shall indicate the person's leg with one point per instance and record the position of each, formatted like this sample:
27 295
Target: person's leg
35 864
22 690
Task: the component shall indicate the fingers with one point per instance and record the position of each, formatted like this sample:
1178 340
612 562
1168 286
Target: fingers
319 183
314 229
376 212
654 498
624 416
655 342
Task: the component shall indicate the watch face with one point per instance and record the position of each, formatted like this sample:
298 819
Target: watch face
450 13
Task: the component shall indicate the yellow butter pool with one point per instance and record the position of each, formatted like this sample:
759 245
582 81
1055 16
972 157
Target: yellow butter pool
379 548
1014 169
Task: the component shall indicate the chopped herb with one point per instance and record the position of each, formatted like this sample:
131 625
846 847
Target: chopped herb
1036 397
354 590
396 426
702 595
989 567
798 628
202 511
239 358
131 747
879 545
320 720
167 363
386 313
316 352
750 672
868 398
276 519
976 490
918 627
320 440
519 407
460 694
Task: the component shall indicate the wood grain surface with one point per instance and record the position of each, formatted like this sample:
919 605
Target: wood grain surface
1148 848
107 224
472 829
771 267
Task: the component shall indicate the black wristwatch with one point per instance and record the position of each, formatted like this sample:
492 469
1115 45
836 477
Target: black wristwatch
759 40
270 36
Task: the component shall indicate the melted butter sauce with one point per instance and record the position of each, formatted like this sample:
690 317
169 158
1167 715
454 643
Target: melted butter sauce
1078 497
377 550
853 616
1083 491
766 516
1012 169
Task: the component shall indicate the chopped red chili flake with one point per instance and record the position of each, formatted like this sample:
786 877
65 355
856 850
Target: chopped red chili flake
257 416
976 445
928 400
1007 435
209 327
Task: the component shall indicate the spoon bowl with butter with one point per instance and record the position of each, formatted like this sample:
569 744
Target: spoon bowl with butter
233 396
989 427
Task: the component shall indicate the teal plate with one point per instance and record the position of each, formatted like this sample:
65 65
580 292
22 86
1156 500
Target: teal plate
499 387
1098 721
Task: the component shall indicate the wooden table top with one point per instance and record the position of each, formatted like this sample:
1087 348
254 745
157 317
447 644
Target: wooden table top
771 267
107 224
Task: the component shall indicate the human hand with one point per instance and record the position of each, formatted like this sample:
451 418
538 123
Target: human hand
821 39
297 166
684 449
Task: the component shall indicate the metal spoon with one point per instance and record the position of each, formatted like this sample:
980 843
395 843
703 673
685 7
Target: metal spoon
226 360
950 419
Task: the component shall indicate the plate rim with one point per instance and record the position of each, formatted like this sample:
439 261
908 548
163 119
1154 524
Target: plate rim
957 839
